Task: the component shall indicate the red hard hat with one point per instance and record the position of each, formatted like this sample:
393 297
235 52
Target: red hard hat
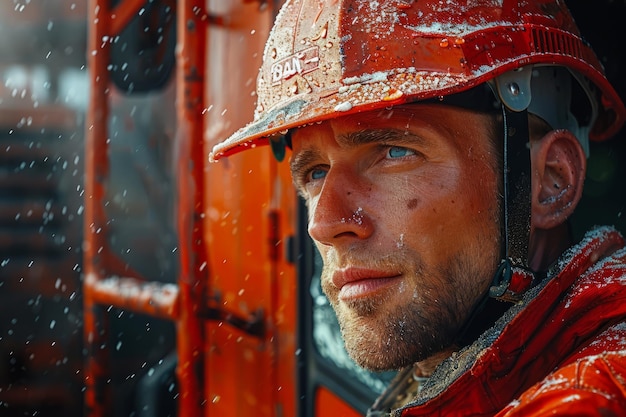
326 58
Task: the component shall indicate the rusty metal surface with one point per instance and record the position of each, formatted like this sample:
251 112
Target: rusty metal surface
177 302
152 298
192 26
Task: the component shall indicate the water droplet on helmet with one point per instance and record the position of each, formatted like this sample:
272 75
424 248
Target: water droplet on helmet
392 95
345 106
444 43
322 34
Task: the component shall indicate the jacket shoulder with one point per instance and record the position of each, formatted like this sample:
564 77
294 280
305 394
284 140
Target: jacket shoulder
591 382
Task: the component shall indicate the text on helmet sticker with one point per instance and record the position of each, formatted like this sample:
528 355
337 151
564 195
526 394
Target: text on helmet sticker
300 62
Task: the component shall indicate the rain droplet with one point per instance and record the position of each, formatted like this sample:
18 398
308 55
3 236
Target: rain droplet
323 33
345 106
393 95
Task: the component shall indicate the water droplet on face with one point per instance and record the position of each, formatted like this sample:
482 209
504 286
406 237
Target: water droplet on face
357 217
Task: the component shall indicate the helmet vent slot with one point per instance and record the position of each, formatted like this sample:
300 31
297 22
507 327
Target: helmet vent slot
552 41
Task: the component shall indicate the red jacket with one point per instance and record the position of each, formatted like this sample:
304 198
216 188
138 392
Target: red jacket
559 351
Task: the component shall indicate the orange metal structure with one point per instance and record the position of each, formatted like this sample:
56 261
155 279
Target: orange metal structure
234 303
105 282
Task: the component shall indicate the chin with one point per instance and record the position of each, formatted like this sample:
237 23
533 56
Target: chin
392 346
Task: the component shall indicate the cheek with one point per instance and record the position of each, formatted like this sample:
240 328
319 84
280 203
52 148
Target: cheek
452 209
426 195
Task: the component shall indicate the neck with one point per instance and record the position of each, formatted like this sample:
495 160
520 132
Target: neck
547 245
425 368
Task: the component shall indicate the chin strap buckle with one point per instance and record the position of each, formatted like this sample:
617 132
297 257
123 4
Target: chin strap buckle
511 282
501 279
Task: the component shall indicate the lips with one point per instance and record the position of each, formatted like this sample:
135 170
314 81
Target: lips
356 283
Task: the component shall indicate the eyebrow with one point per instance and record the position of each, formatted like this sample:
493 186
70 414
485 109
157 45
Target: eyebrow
361 137
367 136
301 160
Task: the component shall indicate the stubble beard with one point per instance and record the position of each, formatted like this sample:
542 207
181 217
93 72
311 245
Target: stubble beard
380 335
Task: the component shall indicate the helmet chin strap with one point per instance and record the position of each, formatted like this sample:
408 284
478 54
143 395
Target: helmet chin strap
516 202
515 224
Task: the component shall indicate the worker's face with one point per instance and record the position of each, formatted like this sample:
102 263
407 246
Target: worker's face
403 208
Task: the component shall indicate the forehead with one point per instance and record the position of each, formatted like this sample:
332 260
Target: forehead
431 122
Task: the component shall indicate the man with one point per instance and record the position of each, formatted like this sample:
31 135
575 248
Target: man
441 148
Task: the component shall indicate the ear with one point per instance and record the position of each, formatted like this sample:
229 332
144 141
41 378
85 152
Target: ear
558 167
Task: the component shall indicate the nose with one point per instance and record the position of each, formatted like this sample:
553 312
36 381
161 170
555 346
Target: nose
339 214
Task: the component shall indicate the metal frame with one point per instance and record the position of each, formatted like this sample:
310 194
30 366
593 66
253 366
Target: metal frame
106 280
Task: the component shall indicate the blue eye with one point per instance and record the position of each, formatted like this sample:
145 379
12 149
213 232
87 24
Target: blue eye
317 174
399 152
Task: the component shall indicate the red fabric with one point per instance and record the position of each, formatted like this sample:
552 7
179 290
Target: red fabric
591 386
564 353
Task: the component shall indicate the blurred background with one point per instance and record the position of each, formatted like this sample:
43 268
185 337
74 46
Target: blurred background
44 94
